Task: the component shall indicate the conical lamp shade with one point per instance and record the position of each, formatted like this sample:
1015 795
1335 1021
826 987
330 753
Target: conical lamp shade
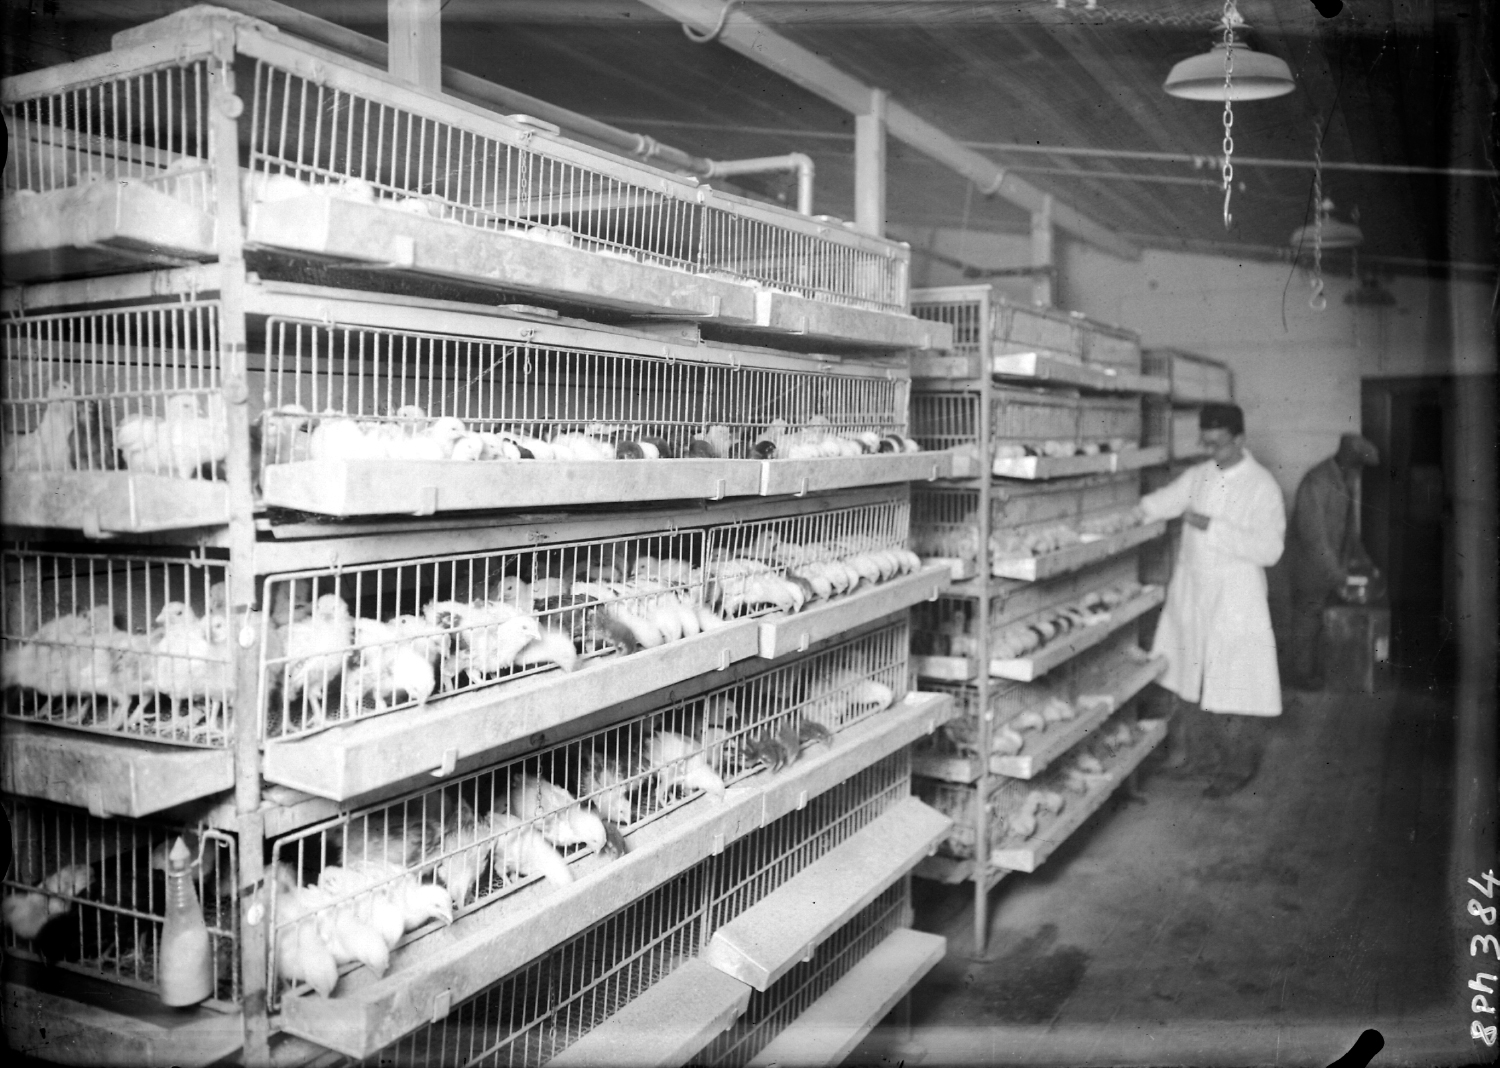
1256 76
1336 234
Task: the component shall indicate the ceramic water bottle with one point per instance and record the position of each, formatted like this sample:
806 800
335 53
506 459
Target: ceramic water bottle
185 966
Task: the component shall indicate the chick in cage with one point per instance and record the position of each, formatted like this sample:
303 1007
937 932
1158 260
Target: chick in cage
1031 635
49 445
1059 447
101 905
175 682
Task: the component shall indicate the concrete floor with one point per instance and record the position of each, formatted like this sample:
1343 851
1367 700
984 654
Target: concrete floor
1268 927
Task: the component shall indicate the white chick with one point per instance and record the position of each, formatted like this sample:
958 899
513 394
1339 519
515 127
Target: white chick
679 764
522 850
562 820
26 913
338 438
49 446
385 666
316 649
493 637
552 647
180 442
186 664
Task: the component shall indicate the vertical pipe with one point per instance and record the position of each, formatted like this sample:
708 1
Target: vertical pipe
869 167
982 874
1043 254
414 29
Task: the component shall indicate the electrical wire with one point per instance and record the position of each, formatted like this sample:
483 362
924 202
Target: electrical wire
712 35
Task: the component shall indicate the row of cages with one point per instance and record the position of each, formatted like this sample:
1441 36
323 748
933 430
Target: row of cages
1026 616
139 389
88 894
314 124
142 644
1023 717
1028 422
986 323
1027 519
1194 379
1027 814
535 1013
1174 428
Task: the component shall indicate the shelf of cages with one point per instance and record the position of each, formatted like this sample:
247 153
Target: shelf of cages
986 325
337 160
1044 621
1034 433
1193 379
748 844
428 662
1033 724
1037 530
119 693
1028 820
86 899
118 423
1071 796
934 371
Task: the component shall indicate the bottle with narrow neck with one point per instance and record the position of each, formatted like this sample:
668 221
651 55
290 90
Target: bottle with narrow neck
185 964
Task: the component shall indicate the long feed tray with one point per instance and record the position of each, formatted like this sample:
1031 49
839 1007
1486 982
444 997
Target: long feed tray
1075 557
796 633
1041 467
1030 668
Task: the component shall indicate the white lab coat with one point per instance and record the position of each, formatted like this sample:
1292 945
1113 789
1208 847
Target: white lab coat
1215 629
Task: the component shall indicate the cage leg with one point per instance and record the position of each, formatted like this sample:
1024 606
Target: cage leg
907 1049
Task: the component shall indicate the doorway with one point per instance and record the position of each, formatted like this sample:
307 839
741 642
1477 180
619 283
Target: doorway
1407 519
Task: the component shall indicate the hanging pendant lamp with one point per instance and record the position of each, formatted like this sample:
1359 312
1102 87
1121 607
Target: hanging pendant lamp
1256 76
1335 232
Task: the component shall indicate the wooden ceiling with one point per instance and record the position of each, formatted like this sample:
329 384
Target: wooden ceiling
1385 80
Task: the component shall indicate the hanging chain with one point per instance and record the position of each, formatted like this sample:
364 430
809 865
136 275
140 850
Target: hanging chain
1231 15
1318 302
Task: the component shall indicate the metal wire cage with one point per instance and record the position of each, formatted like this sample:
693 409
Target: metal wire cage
398 380
773 1010
1026 518
127 644
488 834
965 315
342 643
346 132
146 126
89 894
124 389
1023 421
957 801
533 1014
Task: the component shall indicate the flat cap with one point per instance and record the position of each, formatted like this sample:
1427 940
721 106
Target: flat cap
1356 451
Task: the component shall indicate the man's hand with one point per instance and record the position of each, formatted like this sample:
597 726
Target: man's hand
1197 519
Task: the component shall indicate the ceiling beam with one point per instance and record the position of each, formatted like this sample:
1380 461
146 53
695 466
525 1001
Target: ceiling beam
754 39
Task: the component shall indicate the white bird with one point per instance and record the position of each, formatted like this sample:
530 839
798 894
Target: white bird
27 912
522 850
339 438
185 664
385 665
347 937
679 764
49 446
551 647
178 443
493 636
561 819
316 650
301 954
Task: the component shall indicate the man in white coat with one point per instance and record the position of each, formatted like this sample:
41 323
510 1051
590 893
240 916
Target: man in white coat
1215 629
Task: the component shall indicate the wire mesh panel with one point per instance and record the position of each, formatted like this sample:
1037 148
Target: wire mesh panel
339 644
125 389
89 894
348 391
342 134
945 420
126 644
148 126
965 314
787 563
533 1014
772 1010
